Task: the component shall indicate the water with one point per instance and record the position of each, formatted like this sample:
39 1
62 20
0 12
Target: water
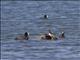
18 17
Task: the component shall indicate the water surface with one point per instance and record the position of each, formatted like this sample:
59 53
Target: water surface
18 17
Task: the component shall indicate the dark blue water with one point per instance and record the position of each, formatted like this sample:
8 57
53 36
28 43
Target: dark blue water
18 17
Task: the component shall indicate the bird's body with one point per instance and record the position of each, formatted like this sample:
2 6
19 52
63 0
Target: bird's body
23 37
62 35
48 36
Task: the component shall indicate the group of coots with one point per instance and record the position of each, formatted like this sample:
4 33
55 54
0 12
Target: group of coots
48 36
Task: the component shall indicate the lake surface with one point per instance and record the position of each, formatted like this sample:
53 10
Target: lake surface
18 17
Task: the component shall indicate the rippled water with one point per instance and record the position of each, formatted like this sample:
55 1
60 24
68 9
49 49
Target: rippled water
18 17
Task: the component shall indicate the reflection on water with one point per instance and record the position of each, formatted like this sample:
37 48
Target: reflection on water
18 17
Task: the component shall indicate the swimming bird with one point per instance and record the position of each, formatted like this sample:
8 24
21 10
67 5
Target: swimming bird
45 16
62 35
25 36
49 36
